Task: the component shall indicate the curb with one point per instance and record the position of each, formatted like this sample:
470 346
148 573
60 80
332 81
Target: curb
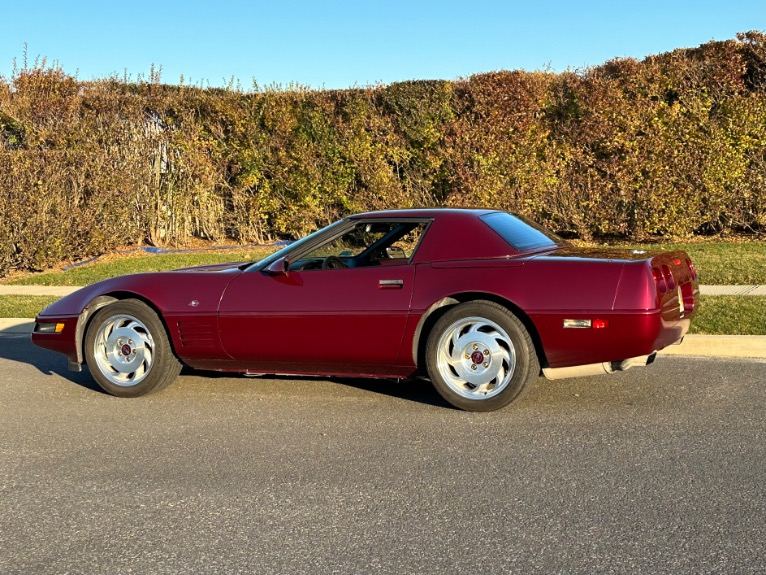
731 346
724 346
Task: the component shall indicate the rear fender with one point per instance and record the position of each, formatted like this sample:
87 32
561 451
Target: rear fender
436 310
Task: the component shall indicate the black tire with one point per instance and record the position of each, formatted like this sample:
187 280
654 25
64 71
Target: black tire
127 350
480 356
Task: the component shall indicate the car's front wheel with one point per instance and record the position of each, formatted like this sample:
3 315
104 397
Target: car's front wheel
480 356
127 350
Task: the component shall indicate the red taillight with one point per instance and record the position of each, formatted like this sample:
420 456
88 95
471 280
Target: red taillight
669 279
687 294
691 268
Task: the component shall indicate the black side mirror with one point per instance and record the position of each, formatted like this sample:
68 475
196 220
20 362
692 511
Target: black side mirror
279 267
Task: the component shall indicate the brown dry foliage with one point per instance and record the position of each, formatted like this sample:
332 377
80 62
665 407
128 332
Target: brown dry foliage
673 145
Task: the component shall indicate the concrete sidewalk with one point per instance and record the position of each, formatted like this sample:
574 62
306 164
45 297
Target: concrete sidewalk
58 291
733 290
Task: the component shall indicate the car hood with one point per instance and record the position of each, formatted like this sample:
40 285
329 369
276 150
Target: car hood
174 291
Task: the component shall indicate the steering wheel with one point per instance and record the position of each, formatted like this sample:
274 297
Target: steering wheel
333 263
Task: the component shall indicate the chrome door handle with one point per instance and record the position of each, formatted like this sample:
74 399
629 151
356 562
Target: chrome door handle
391 283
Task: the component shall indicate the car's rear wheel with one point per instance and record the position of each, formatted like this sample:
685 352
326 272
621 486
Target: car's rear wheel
480 356
127 350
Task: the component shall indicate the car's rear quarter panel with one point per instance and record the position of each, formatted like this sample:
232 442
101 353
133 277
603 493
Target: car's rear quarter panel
544 293
550 288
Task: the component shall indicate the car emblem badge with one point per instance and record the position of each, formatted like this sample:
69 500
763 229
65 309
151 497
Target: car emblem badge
193 303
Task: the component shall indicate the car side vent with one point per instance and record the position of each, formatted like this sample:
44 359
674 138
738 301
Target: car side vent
196 333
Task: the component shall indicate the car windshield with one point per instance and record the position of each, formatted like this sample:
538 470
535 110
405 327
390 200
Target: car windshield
521 233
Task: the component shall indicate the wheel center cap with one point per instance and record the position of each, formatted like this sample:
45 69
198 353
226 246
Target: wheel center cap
125 350
477 357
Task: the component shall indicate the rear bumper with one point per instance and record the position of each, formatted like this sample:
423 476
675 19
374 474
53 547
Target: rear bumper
598 368
628 335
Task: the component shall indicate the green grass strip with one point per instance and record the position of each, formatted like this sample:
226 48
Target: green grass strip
24 305
117 266
730 315
722 263
718 263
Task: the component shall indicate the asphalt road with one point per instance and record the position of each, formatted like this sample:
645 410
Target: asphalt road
657 470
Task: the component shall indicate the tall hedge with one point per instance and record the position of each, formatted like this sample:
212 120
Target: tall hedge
673 145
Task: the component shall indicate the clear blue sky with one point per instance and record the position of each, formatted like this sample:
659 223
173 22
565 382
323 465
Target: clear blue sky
338 43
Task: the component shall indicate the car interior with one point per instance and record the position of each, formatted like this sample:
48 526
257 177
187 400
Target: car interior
367 244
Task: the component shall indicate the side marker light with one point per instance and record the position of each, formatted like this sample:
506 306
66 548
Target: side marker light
586 323
577 323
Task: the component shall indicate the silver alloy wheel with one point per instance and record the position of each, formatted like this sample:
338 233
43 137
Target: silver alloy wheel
476 358
124 350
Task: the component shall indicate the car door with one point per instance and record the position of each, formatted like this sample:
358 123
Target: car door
348 320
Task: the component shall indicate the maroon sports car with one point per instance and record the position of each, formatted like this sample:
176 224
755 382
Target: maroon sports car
480 301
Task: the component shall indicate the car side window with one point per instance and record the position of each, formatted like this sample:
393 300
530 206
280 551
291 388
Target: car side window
367 244
350 244
405 245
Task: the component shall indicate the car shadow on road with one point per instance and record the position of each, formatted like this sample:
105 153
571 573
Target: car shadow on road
19 348
415 390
